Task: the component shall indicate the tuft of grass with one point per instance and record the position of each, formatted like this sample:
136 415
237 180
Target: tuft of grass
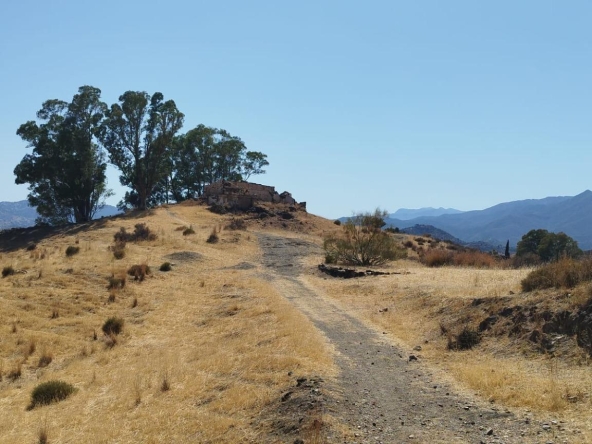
111 298
113 326
16 372
31 247
72 250
45 359
118 250
50 392
116 282
165 266
54 314
7 271
139 272
135 303
236 224
42 434
188 231
213 237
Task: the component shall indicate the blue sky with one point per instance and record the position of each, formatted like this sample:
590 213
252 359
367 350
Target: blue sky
395 104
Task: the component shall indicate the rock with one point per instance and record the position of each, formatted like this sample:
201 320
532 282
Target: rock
412 358
489 432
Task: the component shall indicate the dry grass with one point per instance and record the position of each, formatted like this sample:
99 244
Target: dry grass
421 299
202 352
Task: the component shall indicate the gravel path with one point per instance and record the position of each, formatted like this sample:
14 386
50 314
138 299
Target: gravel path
384 396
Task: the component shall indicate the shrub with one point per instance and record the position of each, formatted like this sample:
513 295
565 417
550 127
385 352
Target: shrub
165 266
337 222
236 224
436 258
31 247
72 250
113 326
116 282
213 237
566 273
45 359
218 209
141 233
16 372
188 231
476 259
393 230
49 392
139 272
118 249
7 271
408 244
465 340
363 242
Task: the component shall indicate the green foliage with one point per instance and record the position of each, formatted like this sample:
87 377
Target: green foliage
205 155
7 271
564 273
363 242
72 250
545 246
49 392
113 326
66 169
138 134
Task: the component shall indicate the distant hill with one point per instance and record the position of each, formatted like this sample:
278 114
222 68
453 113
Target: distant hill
20 214
511 220
436 233
408 214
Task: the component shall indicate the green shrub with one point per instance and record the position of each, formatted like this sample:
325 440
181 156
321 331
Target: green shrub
49 392
337 222
72 250
7 271
113 326
165 266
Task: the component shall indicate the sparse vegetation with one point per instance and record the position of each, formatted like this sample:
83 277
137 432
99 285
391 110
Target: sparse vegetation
236 224
465 340
72 250
50 392
45 359
565 273
7 271
116 282
141 233
188 231
118 249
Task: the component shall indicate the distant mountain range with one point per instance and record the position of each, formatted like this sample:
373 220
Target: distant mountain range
408 214
20 214
511 220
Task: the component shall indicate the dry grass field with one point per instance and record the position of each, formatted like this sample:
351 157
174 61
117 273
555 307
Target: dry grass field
205 347
419 307
209 347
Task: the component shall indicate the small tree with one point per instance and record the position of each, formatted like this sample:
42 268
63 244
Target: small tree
546 246
363 242
507 252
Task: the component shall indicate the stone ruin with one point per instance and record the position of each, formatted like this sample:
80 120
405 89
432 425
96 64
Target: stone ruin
244 195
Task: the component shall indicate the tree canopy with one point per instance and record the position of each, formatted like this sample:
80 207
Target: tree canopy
138 133
547 246
66 170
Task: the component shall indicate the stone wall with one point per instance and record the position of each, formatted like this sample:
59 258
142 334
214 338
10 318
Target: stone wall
243 195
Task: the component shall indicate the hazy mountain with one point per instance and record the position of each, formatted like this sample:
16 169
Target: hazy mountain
408 214
20 214
511 220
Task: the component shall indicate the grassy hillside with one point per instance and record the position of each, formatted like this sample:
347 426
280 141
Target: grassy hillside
205 347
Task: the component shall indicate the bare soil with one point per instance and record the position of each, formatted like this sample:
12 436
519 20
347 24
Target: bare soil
383 393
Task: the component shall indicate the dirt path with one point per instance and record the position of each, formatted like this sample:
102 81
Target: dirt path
382 395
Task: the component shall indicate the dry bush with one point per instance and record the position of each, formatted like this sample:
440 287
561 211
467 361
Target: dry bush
49 392
45 359
408 244
141 233
118 250
436 258
139 271
31 247
113 326
7 271
213 237
236 224
165 266
466 339
15 372
116 282
476 259
565 273
188 231
72 250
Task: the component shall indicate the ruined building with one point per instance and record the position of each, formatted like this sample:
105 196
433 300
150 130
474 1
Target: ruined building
244 195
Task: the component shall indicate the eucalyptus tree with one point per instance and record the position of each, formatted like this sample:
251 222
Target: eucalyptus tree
138 134
66 169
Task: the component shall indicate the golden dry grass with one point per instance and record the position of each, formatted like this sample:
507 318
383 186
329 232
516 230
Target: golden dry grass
222 339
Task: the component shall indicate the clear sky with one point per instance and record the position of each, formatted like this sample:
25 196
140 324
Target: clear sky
397 104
